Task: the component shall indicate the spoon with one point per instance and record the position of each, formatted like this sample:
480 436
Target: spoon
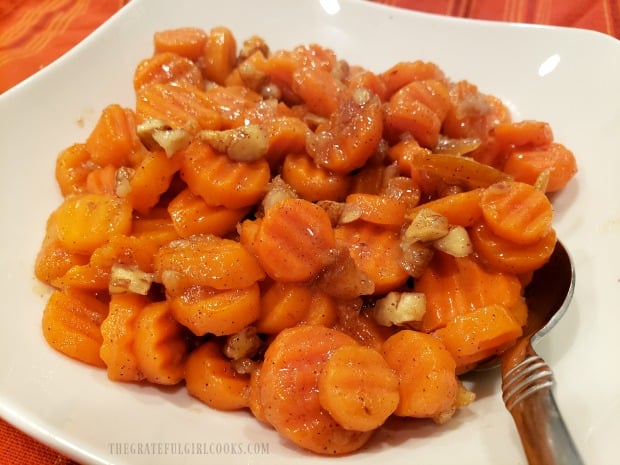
526 378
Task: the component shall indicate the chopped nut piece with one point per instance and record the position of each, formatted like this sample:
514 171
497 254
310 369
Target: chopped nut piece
427 225
126 279
400 308
464 397
455 243
542 181
157 134
123 181
277 190
252 45
242 345
245 143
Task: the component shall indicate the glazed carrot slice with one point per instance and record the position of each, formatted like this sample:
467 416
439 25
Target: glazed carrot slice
555 159
419 109
283 305
358 388
72 169
365 79
71 321
523 133
456 286
376 251
221 181
102 180
85 222
118 331
295 241
221 312
378 209
113 137
206 260
289 395
507 256
188 42
405 72
220 53
167 68
311 181
318 89
517 211
212 379
479 334
160 345
322 310
192 215
287 134
351 135
180 107
426 372
461 209
360 324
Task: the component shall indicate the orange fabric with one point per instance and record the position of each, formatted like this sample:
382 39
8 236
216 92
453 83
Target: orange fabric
33 33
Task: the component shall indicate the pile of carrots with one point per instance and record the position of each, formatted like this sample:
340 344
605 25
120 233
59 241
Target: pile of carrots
289 233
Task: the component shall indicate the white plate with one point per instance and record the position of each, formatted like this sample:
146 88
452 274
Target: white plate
567 77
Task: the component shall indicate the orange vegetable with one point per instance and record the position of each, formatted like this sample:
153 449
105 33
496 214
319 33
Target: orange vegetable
295 241
70 324
289 383
479 334
510 257
523 133
426 371
378 209
358 388
166 68
72 169
318 89
517 212
311 181
555 159
102 180
206 260
405 72
188 42
461 209
220 53
221 181
456 286
376 251
283 305
113 137
212 379
221 312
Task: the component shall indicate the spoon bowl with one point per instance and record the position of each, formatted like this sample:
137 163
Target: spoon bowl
527 380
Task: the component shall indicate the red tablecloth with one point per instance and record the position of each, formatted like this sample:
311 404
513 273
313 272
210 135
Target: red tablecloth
34 33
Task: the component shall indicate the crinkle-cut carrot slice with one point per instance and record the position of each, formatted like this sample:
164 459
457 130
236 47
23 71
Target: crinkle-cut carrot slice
419 109
554 160
86 277
53 260
192 215
376 251
378 209
219 55
286 134
517 211
507 256
113 137
358 388
181 107
350 136
461 209
72 168
233 104
360 78
118 331
288 385
473 114
456 286
405 72
70 323
523 133
282 305
102 180
188 42
206 260
221 312
221 181
84 222
313 182
161 346
211 378
152 178
322 310
319 89
295 241
404 152
167 68
479 334
426 372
